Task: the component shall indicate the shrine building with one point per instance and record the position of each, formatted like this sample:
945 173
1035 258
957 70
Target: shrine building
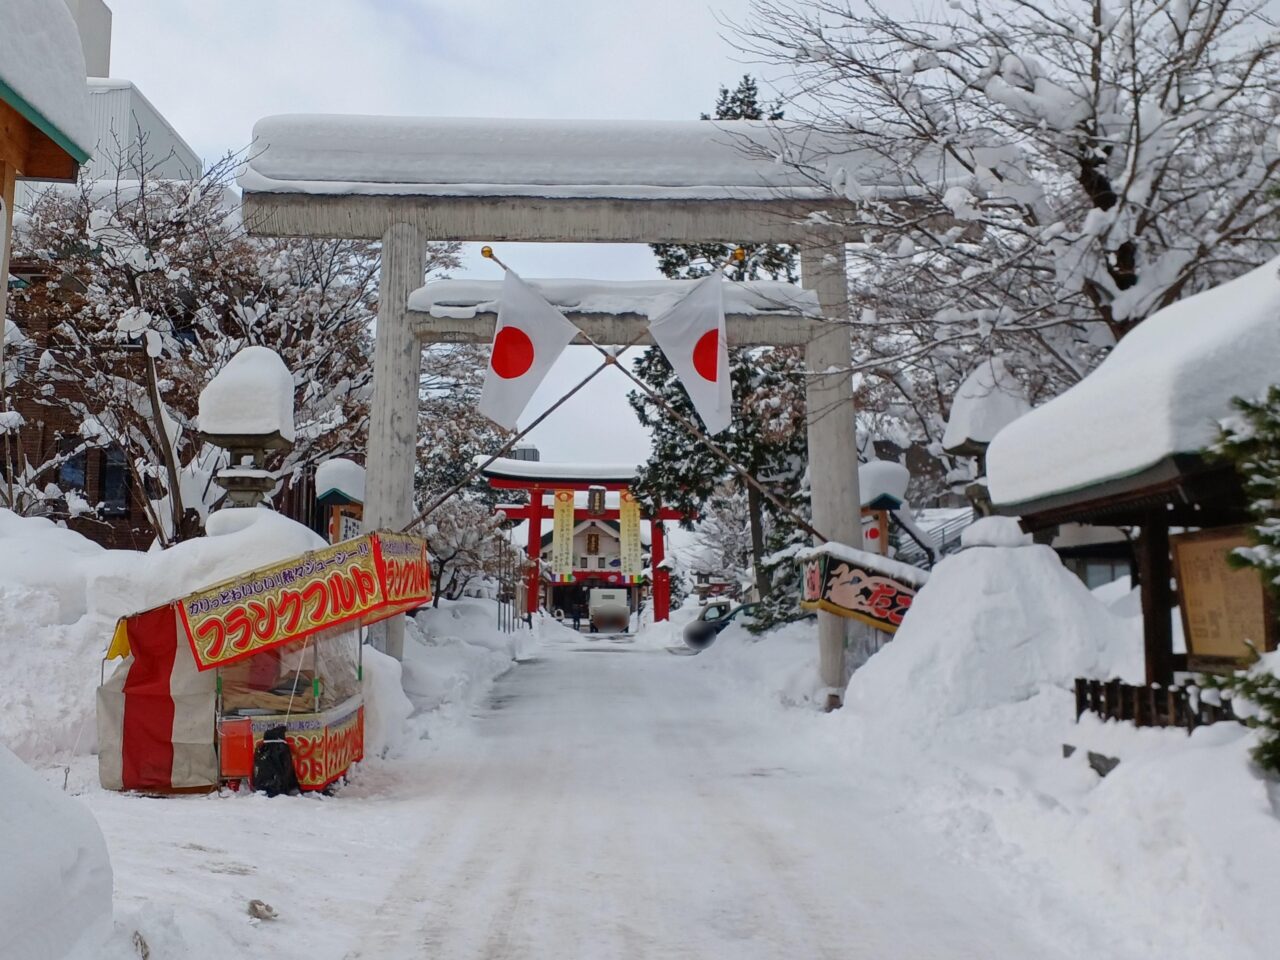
598 534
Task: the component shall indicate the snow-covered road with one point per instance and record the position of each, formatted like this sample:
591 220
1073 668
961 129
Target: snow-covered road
609 802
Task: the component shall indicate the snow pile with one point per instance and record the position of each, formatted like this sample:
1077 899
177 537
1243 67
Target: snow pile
452 654
60 597
958 725
55 886
252 394
992 626
340 475
386 707
1161 391
781 665
994 532
989 399
640 160
41 60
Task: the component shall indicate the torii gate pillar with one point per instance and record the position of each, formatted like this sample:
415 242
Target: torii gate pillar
832 438
393 415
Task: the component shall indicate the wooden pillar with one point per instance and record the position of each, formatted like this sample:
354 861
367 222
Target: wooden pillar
661 575
832 434
533 574
393 416
1154 571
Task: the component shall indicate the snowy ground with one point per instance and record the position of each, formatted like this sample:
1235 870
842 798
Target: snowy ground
607 800
561 794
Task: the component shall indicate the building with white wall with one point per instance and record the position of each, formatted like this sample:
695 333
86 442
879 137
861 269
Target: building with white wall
130 136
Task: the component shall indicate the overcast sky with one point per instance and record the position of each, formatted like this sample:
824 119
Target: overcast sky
214 68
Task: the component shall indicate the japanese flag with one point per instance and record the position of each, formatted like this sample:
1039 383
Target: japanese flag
691 335
531 333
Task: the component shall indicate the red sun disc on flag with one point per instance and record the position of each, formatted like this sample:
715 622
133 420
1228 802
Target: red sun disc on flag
512 353
706 355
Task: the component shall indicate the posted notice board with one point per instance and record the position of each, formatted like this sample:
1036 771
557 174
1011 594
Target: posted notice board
1224 608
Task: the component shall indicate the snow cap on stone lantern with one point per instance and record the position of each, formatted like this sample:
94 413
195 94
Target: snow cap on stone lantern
251 396
883 484
247 408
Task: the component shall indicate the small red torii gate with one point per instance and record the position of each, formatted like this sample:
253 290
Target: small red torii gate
536 479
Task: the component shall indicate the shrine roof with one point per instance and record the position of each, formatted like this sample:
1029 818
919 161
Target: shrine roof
544 473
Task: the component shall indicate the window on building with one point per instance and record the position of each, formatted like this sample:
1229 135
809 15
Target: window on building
115 483
600 562
71 473
582 563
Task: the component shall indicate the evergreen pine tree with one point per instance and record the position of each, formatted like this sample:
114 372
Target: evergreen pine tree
767 437
1251 442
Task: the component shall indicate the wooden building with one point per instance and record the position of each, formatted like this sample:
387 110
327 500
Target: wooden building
1126 447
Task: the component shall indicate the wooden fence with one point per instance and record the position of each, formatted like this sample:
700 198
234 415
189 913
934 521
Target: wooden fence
1148 706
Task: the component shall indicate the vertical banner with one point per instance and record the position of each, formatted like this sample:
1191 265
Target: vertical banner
562 537
629 535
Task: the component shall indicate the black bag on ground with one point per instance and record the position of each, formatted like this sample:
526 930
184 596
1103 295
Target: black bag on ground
273 765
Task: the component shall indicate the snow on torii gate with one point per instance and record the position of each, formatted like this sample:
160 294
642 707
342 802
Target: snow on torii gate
410 181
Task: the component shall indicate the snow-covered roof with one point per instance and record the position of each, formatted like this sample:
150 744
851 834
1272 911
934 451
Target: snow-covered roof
871 561
252 394
463 299
989 399
1161 391
623 159
340 475
509 469
42 72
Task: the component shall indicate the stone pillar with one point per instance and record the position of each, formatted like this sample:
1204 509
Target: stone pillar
832 433
533 572
393 416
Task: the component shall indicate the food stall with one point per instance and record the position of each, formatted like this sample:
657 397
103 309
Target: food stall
206 676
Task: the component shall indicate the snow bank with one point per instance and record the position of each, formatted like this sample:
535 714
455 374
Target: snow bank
957 725
340 475
995 532
41 60
452 655
1161 391
989 399
992 626
386 707
60 597
55 885
252 394
463 299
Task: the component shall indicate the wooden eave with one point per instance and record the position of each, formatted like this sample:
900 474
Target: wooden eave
1184 487
35 148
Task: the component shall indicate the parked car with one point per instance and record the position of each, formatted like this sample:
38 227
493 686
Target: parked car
702 632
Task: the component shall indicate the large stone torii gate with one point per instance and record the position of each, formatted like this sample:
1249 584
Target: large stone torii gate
409 181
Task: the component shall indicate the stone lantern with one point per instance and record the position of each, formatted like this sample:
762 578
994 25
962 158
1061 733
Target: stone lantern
247 409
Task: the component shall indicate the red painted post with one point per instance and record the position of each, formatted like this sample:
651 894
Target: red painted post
661 575
534 550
